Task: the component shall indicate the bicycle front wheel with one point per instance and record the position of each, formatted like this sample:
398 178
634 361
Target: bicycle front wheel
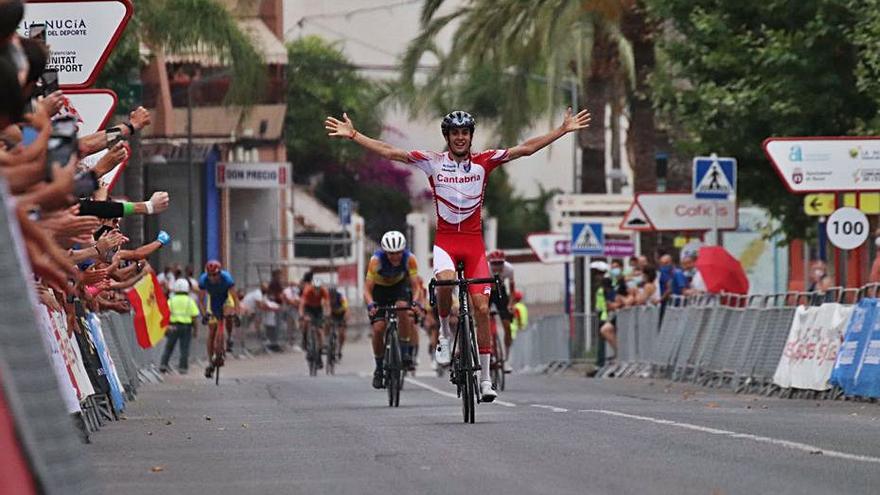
331 352
393 367
466 362
312 353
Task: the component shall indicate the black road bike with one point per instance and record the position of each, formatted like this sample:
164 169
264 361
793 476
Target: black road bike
394 368
332 347
313 352
465 358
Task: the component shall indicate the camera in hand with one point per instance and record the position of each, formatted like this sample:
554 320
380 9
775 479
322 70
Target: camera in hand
63 143
48 82
84 184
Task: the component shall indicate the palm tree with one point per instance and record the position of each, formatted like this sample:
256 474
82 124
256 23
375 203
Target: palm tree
515 53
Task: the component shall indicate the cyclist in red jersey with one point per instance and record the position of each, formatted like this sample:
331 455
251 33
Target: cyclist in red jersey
458 179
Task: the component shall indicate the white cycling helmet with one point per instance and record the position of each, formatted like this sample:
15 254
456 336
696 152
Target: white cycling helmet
393 241
181 285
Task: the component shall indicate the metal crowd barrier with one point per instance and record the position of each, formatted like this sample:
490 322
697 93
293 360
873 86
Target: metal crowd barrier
722 340
552 343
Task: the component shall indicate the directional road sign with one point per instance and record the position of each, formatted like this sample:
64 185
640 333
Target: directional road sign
551 248
80 34
587 239
826 164
819 204
94 106
683 212
714 177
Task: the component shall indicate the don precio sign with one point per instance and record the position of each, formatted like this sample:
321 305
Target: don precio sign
253 175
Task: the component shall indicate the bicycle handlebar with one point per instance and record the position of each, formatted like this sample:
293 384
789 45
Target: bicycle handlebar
395 308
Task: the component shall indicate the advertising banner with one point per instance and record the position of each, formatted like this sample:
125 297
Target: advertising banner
811 350
59 366
107 367
866 380
849 359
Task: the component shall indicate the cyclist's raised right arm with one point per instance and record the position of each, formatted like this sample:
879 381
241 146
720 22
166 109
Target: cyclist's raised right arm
345 129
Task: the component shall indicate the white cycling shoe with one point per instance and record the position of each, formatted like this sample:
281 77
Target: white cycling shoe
442 353
487 393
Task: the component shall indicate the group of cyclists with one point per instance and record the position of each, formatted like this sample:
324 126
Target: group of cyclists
458 178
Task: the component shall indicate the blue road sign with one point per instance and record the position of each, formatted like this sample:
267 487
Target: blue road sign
343 208
587 239
714 177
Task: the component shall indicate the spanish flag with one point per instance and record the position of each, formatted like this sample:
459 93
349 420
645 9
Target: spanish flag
151 314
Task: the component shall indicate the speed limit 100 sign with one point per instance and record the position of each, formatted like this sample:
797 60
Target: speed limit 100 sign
847 228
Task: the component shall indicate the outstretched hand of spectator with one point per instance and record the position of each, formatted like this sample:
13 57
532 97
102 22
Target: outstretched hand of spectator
96 276
139 118
160 201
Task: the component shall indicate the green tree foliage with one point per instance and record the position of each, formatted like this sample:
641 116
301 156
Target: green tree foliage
321 81
736 73
178 26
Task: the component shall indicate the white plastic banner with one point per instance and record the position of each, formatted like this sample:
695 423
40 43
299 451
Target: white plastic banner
59 367
813 342
69 350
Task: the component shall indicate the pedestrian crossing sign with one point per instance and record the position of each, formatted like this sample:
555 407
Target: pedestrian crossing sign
714 177
587 239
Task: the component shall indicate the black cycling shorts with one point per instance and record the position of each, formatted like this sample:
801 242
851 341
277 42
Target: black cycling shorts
316 313
501 302
386 295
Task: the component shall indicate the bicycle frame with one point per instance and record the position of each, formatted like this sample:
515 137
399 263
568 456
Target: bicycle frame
468 361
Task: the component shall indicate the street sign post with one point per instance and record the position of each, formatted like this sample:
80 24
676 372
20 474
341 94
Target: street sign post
847 228
684 212
587 239
81 35
826 164
343 209
551 248
714 177
819 204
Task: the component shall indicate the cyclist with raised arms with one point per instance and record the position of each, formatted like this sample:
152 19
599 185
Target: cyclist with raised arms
498 265
392 279
458 179
215 287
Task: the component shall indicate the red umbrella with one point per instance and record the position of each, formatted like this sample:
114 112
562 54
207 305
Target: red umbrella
721 271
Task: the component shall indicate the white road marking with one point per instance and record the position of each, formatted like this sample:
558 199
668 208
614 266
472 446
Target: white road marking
450 394
811 449
552 408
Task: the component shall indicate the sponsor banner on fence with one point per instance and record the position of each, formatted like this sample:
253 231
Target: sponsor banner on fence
811 350
864 317
866 381
107 367
68 351
59 367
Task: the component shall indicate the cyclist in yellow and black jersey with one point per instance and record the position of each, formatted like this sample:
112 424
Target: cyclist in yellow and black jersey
392 279
338 315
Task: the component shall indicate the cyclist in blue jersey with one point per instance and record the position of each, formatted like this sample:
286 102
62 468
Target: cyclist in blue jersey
215 287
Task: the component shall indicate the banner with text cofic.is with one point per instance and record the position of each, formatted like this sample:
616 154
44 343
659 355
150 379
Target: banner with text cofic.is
811 350
858 330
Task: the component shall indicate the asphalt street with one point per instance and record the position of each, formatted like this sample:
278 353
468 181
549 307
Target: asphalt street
270 428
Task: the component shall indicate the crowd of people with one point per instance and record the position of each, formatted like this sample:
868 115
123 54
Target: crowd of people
641 282
67 228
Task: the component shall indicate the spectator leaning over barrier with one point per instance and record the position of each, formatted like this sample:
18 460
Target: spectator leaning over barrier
615 292
184 313
819 279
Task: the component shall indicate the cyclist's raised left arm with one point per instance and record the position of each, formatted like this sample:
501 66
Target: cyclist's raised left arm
345 129
570 123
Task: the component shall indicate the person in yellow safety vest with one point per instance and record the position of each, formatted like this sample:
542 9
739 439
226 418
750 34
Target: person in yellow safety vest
520 314
184 312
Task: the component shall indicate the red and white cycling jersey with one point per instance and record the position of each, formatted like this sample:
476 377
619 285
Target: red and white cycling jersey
458 187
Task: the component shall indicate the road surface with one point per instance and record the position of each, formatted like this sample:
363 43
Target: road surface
270 428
